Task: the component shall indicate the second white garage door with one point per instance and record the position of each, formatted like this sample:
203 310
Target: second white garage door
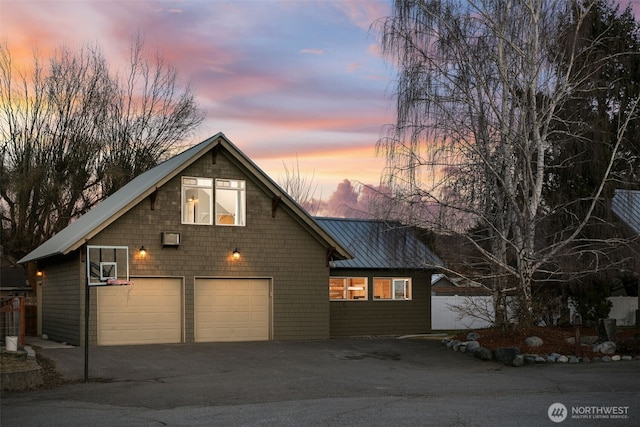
232 310
147 312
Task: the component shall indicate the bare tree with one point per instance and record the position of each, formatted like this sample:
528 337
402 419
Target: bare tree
480 88
71 134
301 188
149 116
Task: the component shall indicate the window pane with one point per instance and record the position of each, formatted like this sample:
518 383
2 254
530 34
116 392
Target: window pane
381 288
402 289
230 202
357 288
337 288
197 202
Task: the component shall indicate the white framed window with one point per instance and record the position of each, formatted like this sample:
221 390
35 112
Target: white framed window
391 288
231 201
197 200
348 288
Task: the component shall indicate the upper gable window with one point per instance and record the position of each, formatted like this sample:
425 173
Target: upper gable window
197 200
231 202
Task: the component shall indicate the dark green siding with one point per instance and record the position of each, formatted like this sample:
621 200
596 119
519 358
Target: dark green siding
376 317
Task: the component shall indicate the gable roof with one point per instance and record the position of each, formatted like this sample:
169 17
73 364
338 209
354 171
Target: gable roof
106 212
626 205
379 244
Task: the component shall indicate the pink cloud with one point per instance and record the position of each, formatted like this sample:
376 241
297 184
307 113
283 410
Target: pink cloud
364 13
312 51
251 69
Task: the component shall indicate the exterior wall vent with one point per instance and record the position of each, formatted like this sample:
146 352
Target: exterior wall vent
170 238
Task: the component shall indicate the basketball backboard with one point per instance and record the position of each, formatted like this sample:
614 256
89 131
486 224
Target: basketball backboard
107 265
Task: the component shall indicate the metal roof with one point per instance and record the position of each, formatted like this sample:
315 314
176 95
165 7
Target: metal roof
379 244
626 205
106 212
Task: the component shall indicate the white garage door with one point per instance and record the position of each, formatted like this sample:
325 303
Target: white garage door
147 312
232 310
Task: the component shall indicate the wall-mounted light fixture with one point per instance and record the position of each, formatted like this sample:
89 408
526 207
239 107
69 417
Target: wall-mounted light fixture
39 273
142 252
236 254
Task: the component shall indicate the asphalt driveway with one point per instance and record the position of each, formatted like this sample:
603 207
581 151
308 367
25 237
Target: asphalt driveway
339 382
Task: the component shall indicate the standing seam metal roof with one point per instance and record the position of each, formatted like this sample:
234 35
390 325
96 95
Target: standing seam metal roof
626 205
379 244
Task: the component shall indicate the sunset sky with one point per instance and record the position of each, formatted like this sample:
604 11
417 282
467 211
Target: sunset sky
281 79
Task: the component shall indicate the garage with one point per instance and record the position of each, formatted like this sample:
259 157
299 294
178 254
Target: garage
232 310
147 312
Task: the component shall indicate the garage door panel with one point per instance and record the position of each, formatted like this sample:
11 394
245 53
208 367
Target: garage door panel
232 310
148 312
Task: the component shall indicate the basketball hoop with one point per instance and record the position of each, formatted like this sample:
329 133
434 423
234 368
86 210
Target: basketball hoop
118 282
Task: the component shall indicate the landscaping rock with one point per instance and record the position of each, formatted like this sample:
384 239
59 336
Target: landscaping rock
473 336
540 359
483 353
616 358
552 358
588 339
472 345
573 359
533 341
563 359
627 358
586 360
606 359
518 361
607 347
506 354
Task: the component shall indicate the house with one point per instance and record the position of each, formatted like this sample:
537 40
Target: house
626 205
443 285
385 288
13 282
208 248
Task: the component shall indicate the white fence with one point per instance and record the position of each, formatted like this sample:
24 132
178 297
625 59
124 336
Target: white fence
445 317
624 310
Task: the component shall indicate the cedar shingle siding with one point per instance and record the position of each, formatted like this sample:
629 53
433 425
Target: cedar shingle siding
276 248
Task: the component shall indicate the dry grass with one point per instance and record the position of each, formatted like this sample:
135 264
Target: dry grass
10 362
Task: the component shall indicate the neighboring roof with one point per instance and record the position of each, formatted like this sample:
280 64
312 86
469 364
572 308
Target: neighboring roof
626 205
106 212
379 244
442 284
13 278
